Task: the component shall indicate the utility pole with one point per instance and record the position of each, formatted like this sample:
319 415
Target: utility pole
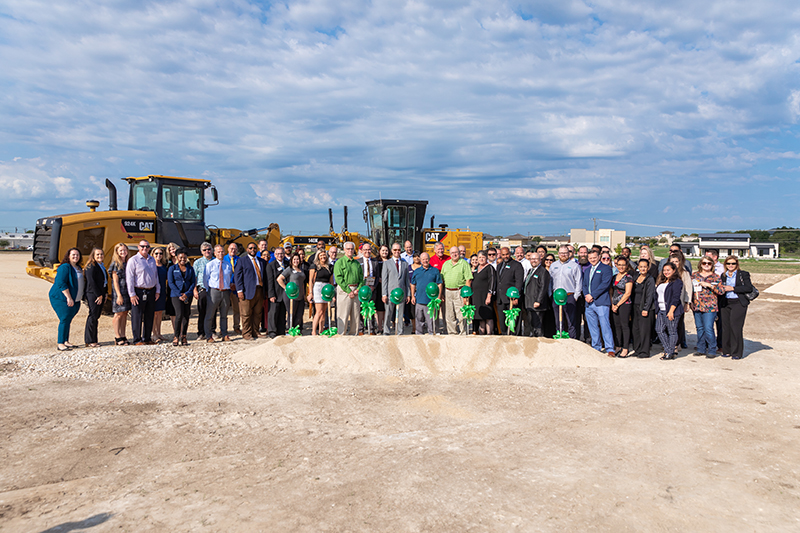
594 231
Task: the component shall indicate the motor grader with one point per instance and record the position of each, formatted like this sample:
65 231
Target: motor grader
161 209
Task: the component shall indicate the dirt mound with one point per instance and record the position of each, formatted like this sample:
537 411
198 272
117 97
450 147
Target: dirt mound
419 354
788 287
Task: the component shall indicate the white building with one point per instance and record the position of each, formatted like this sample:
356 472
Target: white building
17 240
737 244
603 237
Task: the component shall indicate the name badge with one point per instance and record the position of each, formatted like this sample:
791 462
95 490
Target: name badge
370 281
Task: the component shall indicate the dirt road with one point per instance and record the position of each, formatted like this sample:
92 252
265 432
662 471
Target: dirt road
637 445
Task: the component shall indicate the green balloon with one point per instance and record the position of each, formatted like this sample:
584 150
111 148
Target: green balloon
327 292
292 290
364 294
466 291
432 290
560 296
512 292
397 295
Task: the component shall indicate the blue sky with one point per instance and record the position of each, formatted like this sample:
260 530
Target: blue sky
526 116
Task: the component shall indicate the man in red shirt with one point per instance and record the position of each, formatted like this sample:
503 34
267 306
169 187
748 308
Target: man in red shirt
439 258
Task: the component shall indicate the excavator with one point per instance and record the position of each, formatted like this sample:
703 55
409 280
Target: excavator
161 209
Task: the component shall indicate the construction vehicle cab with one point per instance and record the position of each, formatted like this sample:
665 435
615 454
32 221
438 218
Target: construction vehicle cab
178 205
390 221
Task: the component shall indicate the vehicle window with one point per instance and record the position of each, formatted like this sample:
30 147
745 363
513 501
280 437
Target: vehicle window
144 195
181 203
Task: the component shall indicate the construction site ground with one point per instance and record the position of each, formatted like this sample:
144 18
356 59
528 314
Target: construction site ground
468 434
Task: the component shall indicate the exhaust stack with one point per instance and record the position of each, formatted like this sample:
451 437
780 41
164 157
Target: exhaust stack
112 196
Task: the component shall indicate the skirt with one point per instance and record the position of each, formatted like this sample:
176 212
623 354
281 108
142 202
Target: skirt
317 292
126 301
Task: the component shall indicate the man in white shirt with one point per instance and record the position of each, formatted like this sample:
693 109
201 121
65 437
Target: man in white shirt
218 279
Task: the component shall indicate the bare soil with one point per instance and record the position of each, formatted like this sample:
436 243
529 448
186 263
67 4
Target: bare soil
694 444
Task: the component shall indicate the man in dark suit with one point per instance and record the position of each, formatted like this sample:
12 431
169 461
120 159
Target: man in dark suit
537 294
596 284
370 267
249 277
276 324
509 274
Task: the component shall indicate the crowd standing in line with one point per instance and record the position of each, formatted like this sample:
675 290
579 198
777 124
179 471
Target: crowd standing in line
620 307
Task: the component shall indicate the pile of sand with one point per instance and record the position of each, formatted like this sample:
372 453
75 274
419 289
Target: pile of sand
788 287
419 354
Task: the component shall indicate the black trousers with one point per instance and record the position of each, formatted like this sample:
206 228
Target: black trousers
90 333
142 314
183 310
202 306
642 328
682 331
622 321
536 320
732 323
276 325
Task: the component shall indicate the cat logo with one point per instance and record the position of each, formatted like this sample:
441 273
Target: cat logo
139 226
432 237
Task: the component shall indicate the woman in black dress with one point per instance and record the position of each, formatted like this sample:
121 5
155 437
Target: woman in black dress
483 288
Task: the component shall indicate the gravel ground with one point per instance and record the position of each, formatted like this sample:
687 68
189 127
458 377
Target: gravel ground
191 366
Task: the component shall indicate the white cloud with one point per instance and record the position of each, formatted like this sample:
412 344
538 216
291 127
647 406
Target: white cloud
310 104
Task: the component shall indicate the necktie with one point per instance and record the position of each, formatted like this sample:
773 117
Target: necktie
258 271
221 285
397 264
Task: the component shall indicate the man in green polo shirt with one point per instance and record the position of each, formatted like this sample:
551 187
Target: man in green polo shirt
349 278
456 273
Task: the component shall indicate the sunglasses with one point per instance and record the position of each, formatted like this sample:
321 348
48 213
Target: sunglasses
158 253
549 260
145 246
732 264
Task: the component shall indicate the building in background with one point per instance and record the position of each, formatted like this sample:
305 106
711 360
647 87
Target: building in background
738 244
603 237
552 242
17 240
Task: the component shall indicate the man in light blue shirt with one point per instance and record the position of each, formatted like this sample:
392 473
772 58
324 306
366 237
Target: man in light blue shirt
200 293
217 278
566 274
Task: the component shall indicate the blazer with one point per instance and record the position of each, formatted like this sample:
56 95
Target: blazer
66 278
246 278
392 279
742 287
274 290
509 275
96 282
672 296
645 300
599 285
180 283
537 288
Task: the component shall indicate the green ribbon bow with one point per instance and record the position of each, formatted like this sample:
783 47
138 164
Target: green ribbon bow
367 311
468 312
330 332
561 335
294 332
511 318
433 307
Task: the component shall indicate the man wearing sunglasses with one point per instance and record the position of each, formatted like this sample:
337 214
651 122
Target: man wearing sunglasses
144 289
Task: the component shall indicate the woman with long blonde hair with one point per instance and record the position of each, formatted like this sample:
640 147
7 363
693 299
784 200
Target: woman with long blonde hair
120 301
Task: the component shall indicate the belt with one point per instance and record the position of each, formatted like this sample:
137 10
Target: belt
449 289
570 293
144 288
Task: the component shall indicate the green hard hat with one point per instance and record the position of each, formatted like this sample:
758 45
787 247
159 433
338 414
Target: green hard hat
364 294
292 290
512 292
327 292
397 295
432 290
466 291
560 296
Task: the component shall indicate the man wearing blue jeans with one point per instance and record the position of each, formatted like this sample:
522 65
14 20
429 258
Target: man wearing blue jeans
596 284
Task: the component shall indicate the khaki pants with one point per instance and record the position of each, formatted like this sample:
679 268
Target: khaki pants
235 307
453 318
347 313
251 311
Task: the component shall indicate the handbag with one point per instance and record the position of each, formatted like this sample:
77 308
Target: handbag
752 295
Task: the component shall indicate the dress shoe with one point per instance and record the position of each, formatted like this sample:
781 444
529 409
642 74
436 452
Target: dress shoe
238 331
210 340
226 339
736 357
140 343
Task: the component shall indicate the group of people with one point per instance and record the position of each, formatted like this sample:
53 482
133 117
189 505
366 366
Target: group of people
624 307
